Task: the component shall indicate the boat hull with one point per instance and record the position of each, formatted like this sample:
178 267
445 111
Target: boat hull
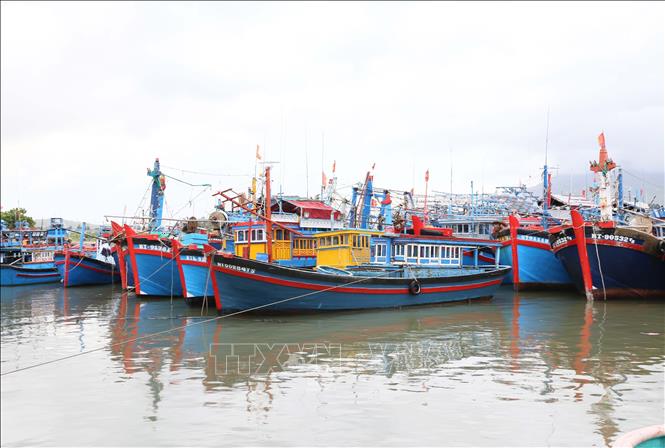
242 284
153 267
624 263
86 270
539 268
194 275
33 275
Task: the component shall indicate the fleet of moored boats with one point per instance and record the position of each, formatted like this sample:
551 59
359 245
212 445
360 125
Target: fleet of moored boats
259 252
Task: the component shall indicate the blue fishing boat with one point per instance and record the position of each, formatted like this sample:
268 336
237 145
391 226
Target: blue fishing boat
26 255
193 267
605 259
146 258
77 269
345 279
87 266
243 284
151 262
20 274
527 250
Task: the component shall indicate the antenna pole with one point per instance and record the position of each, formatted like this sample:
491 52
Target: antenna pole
306 166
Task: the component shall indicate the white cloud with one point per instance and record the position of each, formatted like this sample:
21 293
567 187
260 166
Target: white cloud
92 92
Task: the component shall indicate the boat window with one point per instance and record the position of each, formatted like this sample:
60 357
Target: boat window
335 240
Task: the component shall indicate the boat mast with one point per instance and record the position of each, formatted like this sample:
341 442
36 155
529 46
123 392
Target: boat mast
268 213
603 168
546 178
156 197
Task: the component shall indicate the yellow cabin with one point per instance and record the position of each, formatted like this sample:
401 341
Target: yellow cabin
249 245
342 248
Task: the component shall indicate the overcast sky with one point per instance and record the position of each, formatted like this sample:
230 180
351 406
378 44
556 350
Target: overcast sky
93 92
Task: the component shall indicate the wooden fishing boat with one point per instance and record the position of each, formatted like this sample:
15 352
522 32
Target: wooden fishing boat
26 255
20 274
607 260
242 284
527 250
79 268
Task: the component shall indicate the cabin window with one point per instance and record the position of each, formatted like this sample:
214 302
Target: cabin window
241 235
380 250
257 235
335 240
279 234
399 250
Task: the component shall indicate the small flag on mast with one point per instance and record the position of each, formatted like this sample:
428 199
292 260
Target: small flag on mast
258 154
334 165
601 140
324 181
427 175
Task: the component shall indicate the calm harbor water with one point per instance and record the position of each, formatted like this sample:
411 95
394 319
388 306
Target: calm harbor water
528 369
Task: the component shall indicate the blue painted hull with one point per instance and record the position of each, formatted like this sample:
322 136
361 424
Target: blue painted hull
635 268
626 273
87 271
130 271
197 282
538 268
21 275
246 284
157 276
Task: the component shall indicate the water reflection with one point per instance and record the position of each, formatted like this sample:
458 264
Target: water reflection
553 350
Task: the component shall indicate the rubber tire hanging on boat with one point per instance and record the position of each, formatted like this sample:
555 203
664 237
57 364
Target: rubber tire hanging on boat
414 287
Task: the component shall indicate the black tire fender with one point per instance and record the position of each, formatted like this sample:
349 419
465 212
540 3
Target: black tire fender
414 287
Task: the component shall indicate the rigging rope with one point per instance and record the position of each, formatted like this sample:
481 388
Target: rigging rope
236 313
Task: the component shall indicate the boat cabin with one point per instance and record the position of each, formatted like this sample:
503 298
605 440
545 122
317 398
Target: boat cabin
427 250
288 248
342 248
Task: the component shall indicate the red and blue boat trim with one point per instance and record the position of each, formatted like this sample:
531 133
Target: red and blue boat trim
78 269
22 274
537 266
614 262
242 284
151 262
194 273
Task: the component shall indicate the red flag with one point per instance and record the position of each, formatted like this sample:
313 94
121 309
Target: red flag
324 181
427 176
601 140
258 155
334 165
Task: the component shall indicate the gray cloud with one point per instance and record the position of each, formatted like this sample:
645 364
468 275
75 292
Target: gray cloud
92 92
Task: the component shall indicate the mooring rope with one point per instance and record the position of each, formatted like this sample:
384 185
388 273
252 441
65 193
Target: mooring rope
236 313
